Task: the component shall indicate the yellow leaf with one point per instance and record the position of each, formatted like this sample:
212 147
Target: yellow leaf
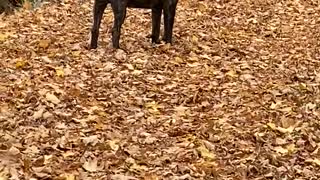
70 177
195 39
59 72
205 153
152 107
20 63
291 148
76 53
303 86
272 126
114 145
178 60
232 73
99 124
3 37
102 113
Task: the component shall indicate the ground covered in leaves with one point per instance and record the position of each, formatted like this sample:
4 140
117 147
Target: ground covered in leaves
235 97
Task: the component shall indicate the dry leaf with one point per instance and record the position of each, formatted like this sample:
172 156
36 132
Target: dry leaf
69 177
205 153
232 73
3 37
315 161
114 144
138 168
21 63
147 111
52 98
44 43
59 72
91 165
181 110
38 114
281 150
91 140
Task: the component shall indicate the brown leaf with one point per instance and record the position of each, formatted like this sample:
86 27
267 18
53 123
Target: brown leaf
44 43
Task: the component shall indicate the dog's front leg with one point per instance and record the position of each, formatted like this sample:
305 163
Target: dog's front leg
98 9
119 12
169 14
156 20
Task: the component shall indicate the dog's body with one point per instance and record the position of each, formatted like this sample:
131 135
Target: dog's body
119 10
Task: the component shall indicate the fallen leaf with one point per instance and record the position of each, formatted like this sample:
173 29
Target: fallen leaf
68 154
91 165
38 114
178 60
286 109
232 73
59 72
3 37
281 150
69 177
114 144
181 110
205 153
91 140
138 168
21 63
120 54
44 43
291 148
271 126
47 115
52 98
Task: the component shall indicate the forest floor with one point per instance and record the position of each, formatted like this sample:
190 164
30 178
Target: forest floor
235 97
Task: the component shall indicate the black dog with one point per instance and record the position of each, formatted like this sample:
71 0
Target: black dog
119 12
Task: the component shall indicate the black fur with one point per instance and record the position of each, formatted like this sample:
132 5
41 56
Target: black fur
119 12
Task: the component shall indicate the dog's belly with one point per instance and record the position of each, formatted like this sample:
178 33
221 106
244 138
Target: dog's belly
145 4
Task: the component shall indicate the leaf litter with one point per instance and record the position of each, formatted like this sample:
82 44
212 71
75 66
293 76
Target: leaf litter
235 97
